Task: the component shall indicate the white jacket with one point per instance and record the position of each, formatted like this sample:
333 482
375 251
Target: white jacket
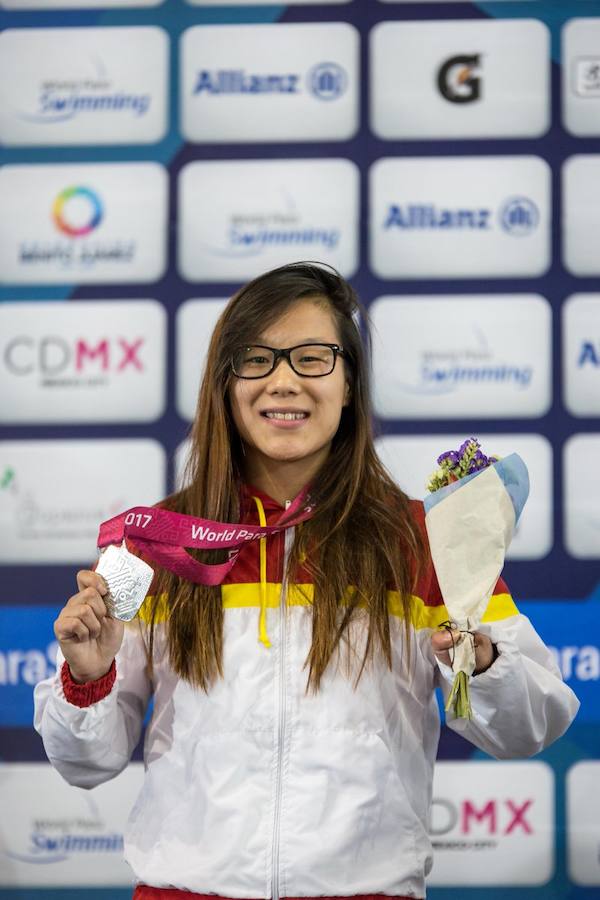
259 789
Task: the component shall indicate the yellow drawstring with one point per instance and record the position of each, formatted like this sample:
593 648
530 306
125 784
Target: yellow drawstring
262 621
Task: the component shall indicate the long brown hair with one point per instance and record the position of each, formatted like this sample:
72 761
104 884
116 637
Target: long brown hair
362 533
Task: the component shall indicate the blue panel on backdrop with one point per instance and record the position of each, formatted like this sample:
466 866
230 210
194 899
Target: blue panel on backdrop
566 626
27 655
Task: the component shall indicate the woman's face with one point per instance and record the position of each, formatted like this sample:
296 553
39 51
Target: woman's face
258 404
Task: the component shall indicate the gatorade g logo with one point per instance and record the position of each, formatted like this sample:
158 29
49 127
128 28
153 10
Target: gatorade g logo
458 79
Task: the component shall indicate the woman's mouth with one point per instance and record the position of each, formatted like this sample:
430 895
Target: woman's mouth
286 416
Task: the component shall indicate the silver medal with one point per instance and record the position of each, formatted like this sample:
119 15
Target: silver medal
128 579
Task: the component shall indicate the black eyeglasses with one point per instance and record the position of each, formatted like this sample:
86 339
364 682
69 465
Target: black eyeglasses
307 360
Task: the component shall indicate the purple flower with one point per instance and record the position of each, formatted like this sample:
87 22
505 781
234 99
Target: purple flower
455 464
451 455
467 445
480 460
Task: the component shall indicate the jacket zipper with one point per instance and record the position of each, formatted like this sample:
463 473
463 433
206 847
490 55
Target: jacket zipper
288 539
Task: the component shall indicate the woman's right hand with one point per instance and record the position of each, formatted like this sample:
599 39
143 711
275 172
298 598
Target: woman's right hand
89 638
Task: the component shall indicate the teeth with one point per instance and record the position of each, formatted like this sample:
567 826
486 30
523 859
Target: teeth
289 417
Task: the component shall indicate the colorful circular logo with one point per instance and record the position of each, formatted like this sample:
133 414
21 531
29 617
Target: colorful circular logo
78 221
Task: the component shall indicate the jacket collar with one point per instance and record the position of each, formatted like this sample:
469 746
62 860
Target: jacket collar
248 491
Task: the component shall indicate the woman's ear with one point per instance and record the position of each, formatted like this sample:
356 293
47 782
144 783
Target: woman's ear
347 393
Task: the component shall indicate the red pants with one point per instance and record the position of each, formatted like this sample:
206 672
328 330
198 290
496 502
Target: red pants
143 892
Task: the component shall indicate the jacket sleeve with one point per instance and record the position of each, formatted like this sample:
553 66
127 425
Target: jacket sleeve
91 744
520 704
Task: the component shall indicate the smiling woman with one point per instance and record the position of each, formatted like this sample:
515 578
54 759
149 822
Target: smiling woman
294 730
288 414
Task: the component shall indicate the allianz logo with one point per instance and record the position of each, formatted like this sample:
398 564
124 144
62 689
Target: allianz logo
516 216
589 355
325 81
27 667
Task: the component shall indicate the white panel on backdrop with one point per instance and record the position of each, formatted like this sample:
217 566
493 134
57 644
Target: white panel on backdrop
581 76
492 823
460 217
74 4
83 223
195 322
269 82
445 1
581 214
83 85
238 219
581 354
582 495
461 356
264 2
462 79
583 822
411 460
181 458
55 835
82 361
55 494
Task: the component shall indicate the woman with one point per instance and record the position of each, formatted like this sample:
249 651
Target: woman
291 747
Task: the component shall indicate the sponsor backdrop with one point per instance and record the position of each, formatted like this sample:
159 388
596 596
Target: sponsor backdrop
444 156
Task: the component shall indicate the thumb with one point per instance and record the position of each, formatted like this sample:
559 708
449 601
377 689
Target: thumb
443 640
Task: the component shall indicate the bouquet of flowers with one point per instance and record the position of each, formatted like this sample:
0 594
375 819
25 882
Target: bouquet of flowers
471 515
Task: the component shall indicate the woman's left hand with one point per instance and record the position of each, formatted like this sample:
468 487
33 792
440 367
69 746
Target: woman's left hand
441 642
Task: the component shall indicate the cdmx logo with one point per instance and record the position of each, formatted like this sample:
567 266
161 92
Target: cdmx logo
327 80
459 79
519 216
77 211
497 817
53 355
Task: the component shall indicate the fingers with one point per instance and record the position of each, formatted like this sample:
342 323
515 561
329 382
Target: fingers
69 628
442 641
81 618
86 578
484 652
80 621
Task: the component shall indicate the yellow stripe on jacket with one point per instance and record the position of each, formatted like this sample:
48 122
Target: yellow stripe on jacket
237 596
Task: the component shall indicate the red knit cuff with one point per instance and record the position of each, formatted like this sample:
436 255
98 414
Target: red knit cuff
90 691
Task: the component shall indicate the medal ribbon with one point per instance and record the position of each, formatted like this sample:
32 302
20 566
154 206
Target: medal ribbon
162 536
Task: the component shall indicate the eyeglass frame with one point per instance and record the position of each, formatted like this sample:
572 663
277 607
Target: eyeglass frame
284 353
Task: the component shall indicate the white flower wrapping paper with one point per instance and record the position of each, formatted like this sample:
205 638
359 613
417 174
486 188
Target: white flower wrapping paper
470 524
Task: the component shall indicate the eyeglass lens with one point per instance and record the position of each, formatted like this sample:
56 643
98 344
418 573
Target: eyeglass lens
310 359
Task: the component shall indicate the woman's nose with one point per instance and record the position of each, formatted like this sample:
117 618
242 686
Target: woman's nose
283 378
